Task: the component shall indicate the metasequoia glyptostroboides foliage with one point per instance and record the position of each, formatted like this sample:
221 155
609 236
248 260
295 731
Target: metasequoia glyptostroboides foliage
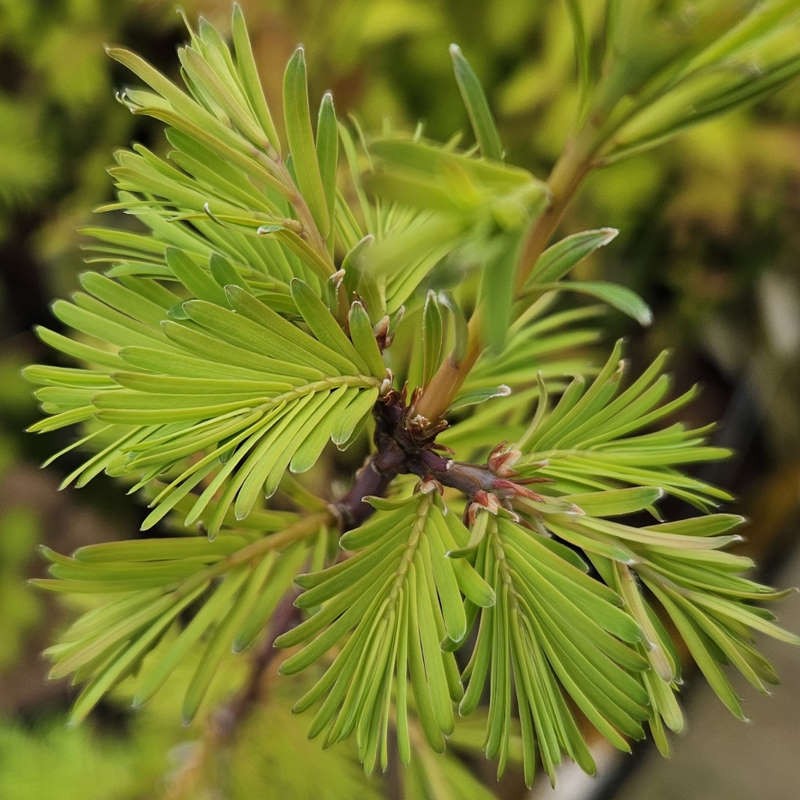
284 294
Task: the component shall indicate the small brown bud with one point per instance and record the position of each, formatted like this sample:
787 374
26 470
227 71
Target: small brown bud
430 485
382 334
502 459
510 489
486 500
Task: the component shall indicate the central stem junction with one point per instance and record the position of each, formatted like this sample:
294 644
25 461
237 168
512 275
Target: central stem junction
405 443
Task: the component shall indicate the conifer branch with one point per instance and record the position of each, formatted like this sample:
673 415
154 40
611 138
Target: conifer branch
258 319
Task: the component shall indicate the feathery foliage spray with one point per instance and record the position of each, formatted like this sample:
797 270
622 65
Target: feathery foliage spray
286 293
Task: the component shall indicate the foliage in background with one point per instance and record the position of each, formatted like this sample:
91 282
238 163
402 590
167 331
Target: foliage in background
420 368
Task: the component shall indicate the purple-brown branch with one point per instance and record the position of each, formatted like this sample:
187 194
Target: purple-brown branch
406 444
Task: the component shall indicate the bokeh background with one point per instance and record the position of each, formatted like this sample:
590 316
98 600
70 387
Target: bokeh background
710 236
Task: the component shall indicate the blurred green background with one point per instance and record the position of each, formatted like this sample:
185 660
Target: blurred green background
710 236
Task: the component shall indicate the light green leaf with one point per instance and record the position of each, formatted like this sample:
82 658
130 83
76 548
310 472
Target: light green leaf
582 48
197 280
428 159
614 502
124 659
710 525
300 136
433 343
497 289
323 325
280 578
161 549
248 75
327 143
477 107
561 257
364 341
620 297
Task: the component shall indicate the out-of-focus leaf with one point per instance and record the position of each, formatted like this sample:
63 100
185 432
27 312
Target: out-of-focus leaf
620 297
433 342
480 116
497 291
150 582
